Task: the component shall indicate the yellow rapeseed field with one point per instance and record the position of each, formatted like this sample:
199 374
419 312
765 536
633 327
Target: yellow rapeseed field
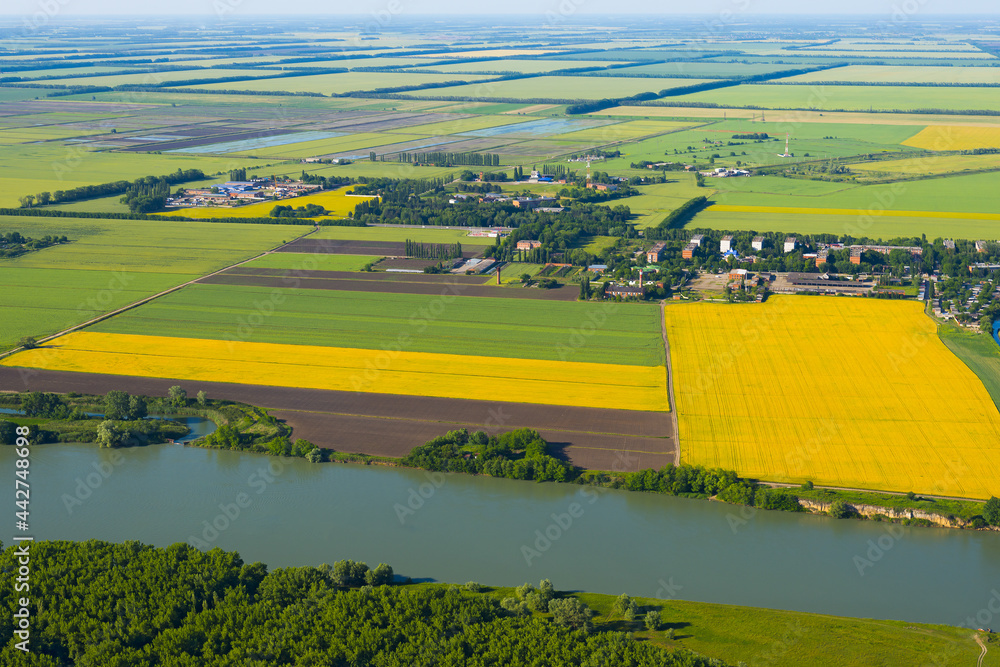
798 210
841 391
348 369
955 138
337 202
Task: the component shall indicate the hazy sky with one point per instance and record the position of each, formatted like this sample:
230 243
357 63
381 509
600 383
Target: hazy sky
912 8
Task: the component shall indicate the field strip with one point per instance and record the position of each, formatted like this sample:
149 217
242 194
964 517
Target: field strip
794 210
134 304
614 386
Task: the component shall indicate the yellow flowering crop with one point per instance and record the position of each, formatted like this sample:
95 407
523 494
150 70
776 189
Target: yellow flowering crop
841 391
338 203
349 369
955 138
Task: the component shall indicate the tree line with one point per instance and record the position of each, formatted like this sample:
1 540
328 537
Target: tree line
432 250
14 244
450 159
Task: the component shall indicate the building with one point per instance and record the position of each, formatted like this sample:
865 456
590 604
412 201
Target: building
697 239
688 251
528 203
790 244
625 291
857 250
655 254
758 243
726 244
949 244
980 246
821 257
528 245
604 187
820 283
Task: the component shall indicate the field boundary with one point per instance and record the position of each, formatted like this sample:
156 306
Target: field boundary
670 385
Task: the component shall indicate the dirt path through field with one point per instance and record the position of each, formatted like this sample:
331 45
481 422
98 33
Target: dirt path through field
982 655
670 385
147 299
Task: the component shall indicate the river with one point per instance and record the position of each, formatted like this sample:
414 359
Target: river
461 528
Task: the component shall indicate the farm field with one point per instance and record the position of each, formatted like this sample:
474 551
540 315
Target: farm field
332 84
558 87
883 433
34 168
629 335
980 194
656 201
516 65
111 263
311 261
624 131
897 74
979 352
814 221
930 164
848 98
155 78
401 233
955 138
338 204
313 367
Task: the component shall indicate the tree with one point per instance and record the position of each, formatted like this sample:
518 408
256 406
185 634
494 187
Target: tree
571 612
137 407
653 620
8 432
116 405
839 509
525 278
27 201
622 602
991 511
28 343
177 395
44 198
380 576
585 289
348 573
202 398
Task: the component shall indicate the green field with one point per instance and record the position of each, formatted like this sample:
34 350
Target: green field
657 200
979 352
897 74
331 84
155 78
111 263
980 193
876 227
558 87
372 320
930 164
311 261
848 98
34 168
420 234
775 638
516 65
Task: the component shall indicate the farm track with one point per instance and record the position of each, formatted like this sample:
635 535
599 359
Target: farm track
391 425
360 284
676 434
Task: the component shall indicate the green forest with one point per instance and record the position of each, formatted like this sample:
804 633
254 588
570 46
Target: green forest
132 605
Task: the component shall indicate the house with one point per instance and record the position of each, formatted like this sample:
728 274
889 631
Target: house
726 244
528 245
528 203
604 187
949 244
790 244
655 254
757 243
688 251
697 239
980 246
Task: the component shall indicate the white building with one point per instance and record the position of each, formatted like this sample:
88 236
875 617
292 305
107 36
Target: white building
726 244
697 239
758 243
790 244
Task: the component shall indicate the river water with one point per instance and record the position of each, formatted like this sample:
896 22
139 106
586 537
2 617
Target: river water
461 528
